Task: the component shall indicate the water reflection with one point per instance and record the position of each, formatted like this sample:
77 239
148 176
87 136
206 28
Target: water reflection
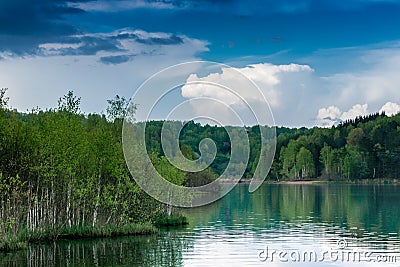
164 249
299 217
233 231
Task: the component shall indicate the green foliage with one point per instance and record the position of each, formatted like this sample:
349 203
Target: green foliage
355 136
69 103
367 147
194 179
59 168
305 163
117 108
171 220
168 171
25 236
3 98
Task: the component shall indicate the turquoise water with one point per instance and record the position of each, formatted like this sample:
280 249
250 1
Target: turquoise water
278 225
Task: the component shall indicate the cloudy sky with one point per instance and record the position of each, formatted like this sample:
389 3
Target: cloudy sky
317 61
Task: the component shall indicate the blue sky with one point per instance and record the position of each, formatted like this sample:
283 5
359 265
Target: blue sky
341 57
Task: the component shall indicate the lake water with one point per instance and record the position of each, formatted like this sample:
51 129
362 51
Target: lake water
278 225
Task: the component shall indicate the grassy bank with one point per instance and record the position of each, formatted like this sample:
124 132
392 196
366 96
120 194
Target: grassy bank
171 220
13 242
19 241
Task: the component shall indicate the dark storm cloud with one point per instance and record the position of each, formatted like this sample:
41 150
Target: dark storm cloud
25 24
185 3
113 60
172 40
45 17
87 45
169 40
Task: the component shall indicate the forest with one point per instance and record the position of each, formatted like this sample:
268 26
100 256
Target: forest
63 169
364 148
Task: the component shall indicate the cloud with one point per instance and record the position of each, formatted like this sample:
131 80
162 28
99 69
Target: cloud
276 82
373 78
116 59
26 24
266 76
354 112
237 7
119 5
390 109
327 117
112 48
19 17
94 70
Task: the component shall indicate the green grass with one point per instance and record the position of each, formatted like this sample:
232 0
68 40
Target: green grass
9 243
172 220
26 236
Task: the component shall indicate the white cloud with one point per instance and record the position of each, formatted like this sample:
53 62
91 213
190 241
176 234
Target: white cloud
332 115
327 117
331 112
390 109
272 80
355 111
266 76
373 77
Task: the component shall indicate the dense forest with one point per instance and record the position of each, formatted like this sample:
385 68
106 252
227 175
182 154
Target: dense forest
364 148
62 168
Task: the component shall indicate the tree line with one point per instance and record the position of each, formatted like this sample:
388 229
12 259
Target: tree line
367 147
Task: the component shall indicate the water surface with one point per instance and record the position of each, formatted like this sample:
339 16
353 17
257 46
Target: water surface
278 225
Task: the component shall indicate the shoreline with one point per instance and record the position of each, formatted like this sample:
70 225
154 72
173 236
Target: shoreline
13 242
377 181
10 243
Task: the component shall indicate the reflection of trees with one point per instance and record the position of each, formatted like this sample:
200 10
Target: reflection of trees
355 211
203 215
368 207
162 250
373 208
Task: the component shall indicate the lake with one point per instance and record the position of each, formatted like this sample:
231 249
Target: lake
278 225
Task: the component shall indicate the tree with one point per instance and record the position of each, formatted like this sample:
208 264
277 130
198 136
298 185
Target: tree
326 159
3 98
355 136
354 165
305 163
116 108
194 179
69 103
288 158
